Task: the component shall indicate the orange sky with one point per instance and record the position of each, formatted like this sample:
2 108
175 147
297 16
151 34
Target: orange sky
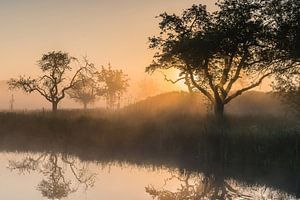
114 31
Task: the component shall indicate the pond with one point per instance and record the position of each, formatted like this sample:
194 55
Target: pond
55 175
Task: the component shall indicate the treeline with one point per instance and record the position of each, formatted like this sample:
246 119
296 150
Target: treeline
85 86
221 54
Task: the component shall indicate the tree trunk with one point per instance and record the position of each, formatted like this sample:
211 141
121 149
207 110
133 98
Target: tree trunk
84 105
54 106
219 109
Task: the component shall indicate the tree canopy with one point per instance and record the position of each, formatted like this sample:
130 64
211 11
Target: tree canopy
285 18
213 52
116 83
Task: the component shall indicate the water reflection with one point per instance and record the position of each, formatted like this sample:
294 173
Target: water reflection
63 175
55 168
203 187
206 174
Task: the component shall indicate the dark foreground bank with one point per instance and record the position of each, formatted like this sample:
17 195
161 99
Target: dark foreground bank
252 149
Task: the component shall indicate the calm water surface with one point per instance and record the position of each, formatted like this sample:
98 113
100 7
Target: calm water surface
38 176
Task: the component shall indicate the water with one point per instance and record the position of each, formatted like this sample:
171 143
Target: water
53 175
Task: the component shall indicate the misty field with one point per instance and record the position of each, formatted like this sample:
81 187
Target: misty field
251 148
259 140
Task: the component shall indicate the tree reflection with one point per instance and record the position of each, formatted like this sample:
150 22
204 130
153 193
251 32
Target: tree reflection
58 184
201 187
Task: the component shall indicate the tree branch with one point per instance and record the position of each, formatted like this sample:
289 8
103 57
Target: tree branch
202 90
237 74
241 91
228 65
170 80
208 76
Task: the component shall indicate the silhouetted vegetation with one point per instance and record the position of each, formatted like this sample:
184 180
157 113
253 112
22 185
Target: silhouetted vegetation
248 147
219 56
88 89
52 84
106 83
56 185
242 41
200 186
85 86
116 84
290 95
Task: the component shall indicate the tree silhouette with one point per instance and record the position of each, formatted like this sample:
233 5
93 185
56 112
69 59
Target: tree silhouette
202 187
84 92
287 25
56 185
54 83
289 90
116 83
88 89
215 51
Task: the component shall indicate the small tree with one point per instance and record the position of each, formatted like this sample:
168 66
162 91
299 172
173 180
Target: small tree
215 51
88 90
116 84
84 92
53 83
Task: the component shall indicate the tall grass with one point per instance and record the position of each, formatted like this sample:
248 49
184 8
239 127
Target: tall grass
258 140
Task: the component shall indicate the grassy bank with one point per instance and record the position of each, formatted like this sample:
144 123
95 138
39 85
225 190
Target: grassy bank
260 140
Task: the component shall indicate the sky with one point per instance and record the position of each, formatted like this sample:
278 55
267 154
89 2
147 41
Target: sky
107 31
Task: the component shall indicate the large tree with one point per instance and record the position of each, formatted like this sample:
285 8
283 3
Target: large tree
285 18
214 52
53 83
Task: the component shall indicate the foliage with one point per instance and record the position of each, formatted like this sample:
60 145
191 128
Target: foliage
116 83
88 89
85 92
56 185
289 90
286 21
214 51
284 16
53 83
199 186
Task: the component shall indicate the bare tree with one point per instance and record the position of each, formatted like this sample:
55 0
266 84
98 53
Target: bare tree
89 89
53 83
56 185
84 92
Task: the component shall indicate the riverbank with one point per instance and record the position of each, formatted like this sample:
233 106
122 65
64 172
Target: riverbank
248 148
